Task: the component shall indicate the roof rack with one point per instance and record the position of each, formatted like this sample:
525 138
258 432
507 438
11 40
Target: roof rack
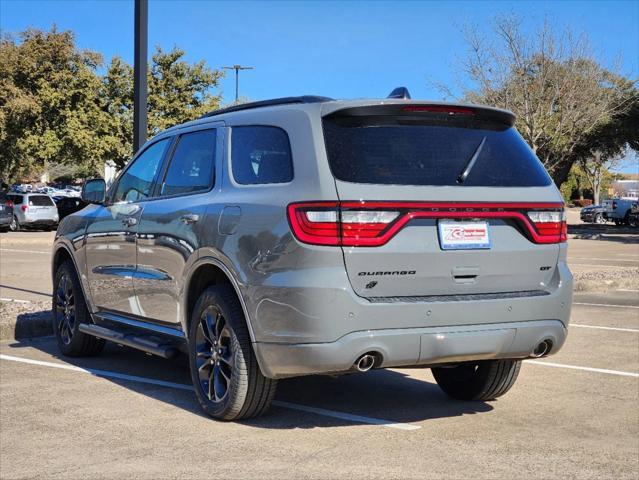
269 103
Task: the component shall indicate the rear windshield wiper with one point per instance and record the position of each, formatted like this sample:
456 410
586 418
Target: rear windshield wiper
464 173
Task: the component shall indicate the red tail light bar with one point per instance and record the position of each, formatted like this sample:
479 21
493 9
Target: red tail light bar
372 224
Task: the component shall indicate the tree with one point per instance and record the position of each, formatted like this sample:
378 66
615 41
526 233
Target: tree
48 107
558 91
178 92
55 109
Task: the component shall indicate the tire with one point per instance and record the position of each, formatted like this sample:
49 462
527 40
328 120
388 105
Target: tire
599 219
69 310
485 380
626 219
227 379
14 226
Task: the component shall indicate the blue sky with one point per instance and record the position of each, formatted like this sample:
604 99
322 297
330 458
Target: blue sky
337 49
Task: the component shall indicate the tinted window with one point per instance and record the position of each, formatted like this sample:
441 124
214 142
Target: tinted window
137 180
40 201
261 155
16 199
193 163
376 150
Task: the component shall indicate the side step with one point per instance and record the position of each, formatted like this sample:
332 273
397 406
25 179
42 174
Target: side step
146 344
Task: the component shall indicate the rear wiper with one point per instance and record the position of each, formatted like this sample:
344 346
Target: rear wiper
464 173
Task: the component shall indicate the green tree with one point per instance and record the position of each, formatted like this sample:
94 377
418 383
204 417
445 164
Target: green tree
559 92
178 92
49 111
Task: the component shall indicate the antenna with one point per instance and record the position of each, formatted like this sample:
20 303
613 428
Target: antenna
400 92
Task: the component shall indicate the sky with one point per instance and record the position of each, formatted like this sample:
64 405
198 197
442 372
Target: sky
333 48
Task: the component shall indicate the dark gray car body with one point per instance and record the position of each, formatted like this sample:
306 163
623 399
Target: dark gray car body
307 306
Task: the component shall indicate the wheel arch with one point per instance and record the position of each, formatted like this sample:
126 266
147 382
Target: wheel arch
62 253
208 271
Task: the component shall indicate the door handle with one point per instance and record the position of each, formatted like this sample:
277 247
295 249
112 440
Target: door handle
130 221
189 218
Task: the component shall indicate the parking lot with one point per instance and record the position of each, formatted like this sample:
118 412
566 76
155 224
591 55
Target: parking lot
127 414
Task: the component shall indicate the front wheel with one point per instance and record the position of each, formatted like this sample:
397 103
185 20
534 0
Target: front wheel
485 380
227 379
599 219
69 311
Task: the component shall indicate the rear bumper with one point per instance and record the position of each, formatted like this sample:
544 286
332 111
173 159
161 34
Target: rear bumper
410 347
412 332
5 219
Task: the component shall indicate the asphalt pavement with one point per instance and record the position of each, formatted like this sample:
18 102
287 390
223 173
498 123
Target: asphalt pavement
125 414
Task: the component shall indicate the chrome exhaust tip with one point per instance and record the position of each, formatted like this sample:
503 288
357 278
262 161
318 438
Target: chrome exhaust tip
364 363
542 349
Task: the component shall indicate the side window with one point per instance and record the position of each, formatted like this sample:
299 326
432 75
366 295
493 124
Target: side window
261 155
192 166
137 180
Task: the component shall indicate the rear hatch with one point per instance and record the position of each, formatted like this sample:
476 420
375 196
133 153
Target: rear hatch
41 207
439 200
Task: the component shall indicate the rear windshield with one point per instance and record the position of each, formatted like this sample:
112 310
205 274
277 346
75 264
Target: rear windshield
383 150
40 201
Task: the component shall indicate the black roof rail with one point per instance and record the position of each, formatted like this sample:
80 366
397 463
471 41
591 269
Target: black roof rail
269 103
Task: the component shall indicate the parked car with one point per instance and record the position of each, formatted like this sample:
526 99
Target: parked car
593 214
618 209
307 236
6 212
33 210
68 205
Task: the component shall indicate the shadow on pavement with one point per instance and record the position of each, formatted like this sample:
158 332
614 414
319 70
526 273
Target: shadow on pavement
382 394
613 233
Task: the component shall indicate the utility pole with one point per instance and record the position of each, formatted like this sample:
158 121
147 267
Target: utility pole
237 69
139 73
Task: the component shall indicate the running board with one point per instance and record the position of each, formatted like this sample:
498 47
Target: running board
149 345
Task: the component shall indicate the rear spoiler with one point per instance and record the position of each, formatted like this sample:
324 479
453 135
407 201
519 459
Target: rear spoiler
414 112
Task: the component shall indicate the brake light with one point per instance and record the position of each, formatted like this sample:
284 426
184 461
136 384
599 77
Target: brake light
614 205
24 208
550 224
9 203
439 109
372 224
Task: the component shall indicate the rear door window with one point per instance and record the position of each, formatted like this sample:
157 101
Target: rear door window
396 151
261 155
40 201
192 167
16 199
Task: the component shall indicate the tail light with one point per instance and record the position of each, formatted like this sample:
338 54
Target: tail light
614 205
372 224
24 208
9 203
550 225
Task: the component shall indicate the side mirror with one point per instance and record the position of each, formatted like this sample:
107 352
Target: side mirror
94 191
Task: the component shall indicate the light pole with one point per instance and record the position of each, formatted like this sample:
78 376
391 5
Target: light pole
139 73
237 69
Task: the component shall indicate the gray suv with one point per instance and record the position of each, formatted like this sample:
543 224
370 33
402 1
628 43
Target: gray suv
305 236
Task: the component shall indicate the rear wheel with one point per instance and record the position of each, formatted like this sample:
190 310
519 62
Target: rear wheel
14 226
227 379
69 311
485 380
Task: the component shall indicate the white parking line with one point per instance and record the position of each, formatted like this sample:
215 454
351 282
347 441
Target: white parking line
604 259
587 369
604 328
604 305
23 251
627 290
13 300
598 266
292 406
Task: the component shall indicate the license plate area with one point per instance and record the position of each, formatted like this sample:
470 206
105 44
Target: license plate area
463 235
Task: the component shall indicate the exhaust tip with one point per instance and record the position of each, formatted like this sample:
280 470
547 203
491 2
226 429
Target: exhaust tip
365 363
542 349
